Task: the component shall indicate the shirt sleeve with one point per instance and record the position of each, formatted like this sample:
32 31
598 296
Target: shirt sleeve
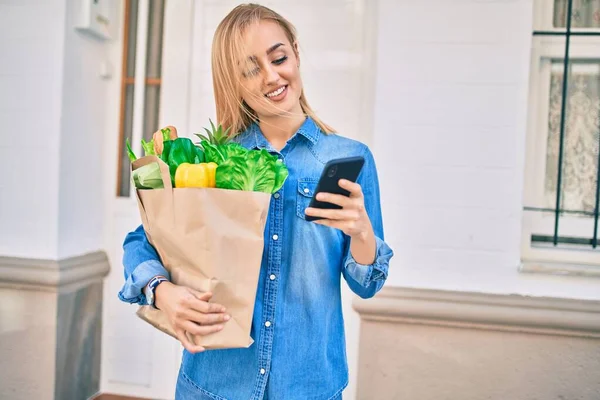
141 263
367 280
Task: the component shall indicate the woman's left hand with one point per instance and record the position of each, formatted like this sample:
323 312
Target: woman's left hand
352 218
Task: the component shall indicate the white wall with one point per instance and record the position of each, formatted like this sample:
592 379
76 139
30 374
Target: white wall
31 54
449 136
84 103
52 109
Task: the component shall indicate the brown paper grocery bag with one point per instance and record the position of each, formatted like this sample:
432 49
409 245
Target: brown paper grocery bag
209 240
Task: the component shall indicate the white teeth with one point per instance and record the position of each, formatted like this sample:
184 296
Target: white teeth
277 92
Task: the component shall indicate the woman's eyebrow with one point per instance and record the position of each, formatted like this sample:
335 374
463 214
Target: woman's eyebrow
273 48
269 51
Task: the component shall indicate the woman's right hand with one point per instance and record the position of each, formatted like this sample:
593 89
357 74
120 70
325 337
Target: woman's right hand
189 311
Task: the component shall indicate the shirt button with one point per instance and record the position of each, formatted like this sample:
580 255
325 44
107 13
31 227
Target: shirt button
276 195
275 237
272 277
268 324
262 371
306 190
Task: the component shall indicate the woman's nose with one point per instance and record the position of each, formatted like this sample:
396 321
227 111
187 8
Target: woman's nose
271 76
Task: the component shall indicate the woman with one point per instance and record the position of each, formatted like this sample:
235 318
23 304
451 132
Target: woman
299 350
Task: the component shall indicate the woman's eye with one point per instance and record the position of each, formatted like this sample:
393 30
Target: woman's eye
280 60
255 71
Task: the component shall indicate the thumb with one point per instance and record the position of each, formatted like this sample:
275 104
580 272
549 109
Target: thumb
206 296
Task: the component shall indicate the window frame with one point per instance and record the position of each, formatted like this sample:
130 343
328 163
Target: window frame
140 83
545 49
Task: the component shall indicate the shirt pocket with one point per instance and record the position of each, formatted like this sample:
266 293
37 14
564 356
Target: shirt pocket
306 191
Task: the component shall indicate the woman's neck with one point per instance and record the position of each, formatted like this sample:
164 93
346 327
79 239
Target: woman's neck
278 130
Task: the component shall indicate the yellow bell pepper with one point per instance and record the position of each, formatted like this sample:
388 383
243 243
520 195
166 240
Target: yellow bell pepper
195 175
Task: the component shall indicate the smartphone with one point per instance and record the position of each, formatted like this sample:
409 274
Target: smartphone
340 168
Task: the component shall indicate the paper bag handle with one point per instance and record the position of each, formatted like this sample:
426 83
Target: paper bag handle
164 168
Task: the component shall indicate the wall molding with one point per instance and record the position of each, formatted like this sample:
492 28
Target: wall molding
561 269
53 275
483 311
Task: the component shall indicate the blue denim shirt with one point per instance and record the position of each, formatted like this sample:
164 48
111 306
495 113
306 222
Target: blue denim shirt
299 349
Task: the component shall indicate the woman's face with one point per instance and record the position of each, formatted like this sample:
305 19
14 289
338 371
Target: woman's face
270 82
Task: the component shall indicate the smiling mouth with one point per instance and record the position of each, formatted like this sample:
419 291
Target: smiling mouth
277 92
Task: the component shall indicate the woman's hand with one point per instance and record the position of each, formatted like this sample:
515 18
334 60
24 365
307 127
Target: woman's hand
352 218
189 311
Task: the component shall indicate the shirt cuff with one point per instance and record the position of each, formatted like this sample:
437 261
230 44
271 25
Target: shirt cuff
378 271
133 289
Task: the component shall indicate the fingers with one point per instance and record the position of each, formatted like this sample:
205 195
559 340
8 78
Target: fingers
341 225
206 296
351 206
202 330
199 302
191 314
337 215
354 188
206 319
189 346
338 199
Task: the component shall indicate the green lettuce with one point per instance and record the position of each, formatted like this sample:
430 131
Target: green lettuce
253 170
218 153
281 174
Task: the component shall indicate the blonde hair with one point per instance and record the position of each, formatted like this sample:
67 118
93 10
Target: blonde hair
227 48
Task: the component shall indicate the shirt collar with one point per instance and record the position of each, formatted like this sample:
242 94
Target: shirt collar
310 130
253 137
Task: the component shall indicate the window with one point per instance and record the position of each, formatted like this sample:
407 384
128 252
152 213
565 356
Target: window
140 98
561 224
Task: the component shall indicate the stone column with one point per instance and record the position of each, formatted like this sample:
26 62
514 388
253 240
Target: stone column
51 326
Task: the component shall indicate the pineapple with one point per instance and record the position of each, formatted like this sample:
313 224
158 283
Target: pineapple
216 136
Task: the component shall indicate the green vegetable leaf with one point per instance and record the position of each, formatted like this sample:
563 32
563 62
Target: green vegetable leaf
219 153
130 153
281 174
182 150
136 181
212 152
253 170
166 132
148 177
148 147
199 158
166 151
233 149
